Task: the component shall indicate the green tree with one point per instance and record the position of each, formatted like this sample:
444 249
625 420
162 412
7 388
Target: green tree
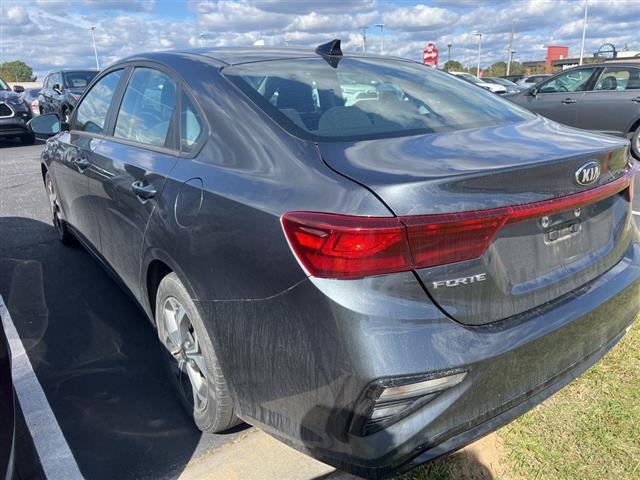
453 66
497 69
16 71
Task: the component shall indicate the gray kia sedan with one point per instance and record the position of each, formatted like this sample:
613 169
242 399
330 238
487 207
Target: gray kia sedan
377 279
601 97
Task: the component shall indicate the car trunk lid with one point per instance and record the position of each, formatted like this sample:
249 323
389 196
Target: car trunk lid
531 260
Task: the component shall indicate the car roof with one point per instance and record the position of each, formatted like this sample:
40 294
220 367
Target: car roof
237 55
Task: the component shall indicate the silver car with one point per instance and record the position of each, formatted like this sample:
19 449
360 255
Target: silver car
602 97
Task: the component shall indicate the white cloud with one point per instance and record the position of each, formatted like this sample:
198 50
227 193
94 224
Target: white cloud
14 15
419 17
125 28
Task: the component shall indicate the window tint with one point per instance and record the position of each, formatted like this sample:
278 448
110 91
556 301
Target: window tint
78 79
147 108
367 98
91 114
191 128
619 78
571 81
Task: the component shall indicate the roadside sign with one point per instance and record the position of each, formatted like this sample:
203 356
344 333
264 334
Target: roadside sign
430 55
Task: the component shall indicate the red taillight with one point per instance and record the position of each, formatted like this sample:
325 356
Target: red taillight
346 246
342 246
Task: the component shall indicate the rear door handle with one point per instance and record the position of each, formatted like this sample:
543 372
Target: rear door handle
145 192
568 101
636 100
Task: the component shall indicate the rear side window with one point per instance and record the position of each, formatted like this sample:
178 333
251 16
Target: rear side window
91 114
619 78
147 108
191 125
363 98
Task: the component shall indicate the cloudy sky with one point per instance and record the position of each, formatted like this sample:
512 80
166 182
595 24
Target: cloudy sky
48 33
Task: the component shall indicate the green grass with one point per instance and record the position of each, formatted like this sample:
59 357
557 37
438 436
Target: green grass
589 430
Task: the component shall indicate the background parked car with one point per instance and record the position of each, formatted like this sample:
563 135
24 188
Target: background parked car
603 97
513 78
61 90
14 115
492 87
508 84
30 95
7 413
530 80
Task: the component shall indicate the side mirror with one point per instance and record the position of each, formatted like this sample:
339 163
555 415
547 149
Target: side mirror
533 91
46 125
57 88
18 88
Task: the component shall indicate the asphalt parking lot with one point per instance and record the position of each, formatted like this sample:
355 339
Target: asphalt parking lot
94 353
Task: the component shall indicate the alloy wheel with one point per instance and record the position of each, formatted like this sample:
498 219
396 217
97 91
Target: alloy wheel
181 343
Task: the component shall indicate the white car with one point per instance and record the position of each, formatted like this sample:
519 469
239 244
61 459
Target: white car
492 87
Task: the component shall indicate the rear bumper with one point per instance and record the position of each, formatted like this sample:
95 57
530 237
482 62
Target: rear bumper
299 362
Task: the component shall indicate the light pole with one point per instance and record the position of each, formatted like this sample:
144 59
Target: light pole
584 29
95 50
364 38
479 35
381 26
513 31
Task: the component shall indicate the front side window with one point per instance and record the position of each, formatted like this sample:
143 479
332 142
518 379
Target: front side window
57 80
571 81
619 78
366 98
3 85
91 114
191 126
147 108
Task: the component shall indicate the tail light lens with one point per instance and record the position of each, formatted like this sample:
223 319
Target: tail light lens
346 246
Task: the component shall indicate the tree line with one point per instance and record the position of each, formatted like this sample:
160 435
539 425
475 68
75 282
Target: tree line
498 69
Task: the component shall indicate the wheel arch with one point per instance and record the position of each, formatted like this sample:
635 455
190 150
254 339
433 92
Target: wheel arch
43 171
156 265
634 125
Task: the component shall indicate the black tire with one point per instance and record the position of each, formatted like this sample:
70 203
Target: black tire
62 230
635 143
28 139
216 412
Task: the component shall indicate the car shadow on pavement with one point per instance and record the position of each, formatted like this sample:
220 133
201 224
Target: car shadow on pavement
97 358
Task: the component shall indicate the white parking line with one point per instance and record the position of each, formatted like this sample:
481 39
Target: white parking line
55 455
635 213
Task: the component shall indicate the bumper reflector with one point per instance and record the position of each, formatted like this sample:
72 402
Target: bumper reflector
397 400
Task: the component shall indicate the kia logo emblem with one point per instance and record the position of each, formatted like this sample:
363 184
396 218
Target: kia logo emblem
588 173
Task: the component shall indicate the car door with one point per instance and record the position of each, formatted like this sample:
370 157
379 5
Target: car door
73 165
557 97
44 96
614 102
134 161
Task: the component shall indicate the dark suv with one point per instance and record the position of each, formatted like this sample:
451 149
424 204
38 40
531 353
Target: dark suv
61 91
14 115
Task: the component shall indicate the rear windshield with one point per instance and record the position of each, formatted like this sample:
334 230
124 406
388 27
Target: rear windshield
365 98
78 79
